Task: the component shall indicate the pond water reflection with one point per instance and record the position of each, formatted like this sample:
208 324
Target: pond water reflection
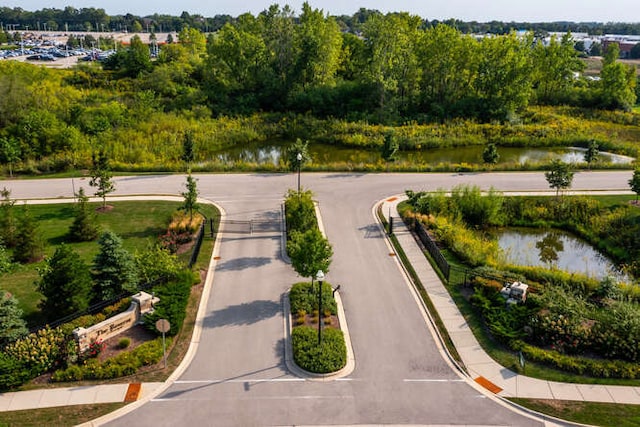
271 153
557 249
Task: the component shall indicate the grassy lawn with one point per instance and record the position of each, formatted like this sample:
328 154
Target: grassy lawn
599 414
137 223
57 417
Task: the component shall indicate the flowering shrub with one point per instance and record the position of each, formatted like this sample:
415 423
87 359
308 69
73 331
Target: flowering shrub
172 240
38 351
95 348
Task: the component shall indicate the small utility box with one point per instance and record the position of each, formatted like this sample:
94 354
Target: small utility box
515 292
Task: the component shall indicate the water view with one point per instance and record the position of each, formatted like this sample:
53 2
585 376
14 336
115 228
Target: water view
272 152
557 249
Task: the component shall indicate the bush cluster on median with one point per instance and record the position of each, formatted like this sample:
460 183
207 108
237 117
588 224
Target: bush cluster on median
330 356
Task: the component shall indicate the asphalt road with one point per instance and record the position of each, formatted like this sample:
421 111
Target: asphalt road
238 377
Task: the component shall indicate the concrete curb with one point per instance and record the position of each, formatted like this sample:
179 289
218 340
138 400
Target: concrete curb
195 338
462 373
288 349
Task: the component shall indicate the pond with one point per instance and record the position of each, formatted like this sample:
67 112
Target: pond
272 152
557 249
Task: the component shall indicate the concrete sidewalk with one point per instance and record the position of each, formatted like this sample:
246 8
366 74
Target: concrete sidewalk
83 395
482 368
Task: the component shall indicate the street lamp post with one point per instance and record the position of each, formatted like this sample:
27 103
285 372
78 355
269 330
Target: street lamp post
299 158
320 279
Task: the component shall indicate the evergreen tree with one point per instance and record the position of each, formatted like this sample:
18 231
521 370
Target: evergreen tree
114 269
84 227
29 246
490 154
65 284
101 176
5 259
12 325
190 197
8 221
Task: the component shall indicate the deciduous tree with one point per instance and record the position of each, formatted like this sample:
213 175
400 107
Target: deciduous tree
634 183
559 176
309 251
101 176
190 203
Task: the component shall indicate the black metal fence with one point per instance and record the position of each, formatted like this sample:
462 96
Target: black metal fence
196 247
433 249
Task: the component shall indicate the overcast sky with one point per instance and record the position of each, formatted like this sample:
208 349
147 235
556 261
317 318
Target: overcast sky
466 10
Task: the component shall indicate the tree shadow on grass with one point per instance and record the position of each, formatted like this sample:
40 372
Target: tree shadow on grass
61 213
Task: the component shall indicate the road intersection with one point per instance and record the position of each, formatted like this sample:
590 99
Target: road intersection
238 376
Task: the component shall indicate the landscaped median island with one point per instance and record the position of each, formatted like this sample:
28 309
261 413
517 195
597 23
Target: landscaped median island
316 352
318 343
569 326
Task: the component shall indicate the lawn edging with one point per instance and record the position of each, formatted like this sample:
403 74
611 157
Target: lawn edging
288 348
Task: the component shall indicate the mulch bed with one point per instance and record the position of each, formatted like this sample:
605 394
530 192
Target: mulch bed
137 335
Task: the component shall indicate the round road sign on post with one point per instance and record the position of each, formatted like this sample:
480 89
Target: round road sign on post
163 326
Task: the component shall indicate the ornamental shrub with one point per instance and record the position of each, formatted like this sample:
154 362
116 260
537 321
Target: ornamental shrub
38 351
304 298
13 372
300 211
123 364
329 357
174 297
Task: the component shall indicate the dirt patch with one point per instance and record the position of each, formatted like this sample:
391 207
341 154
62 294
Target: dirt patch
310 320
106 208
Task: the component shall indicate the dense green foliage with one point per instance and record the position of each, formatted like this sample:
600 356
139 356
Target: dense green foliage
174 296
12 325
304 298
559 176
126 363
300 211
84 227
328 357
65 284
565 314
12 372
114 269
279 76
29 246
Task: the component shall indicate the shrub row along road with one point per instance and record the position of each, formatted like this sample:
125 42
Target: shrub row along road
238 376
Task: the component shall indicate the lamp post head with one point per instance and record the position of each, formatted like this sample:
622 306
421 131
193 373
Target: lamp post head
299 157
320 276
